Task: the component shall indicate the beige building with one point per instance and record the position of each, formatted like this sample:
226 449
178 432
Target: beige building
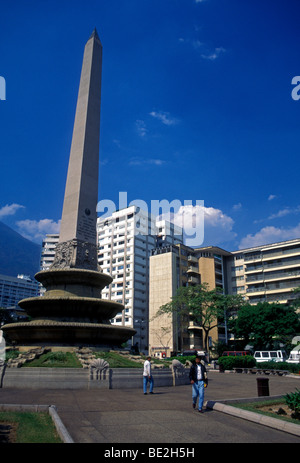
170 268
163 277
264 273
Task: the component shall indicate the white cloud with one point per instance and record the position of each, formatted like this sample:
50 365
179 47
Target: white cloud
214 55
237 207
141 128
205 51
284 212
141 161
217 225
268 235
10 209
37 230
271 197
197 44
164 117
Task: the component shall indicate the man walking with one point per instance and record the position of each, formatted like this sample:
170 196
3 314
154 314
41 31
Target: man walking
147 376
198 378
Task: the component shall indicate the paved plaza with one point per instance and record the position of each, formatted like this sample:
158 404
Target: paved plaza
166 417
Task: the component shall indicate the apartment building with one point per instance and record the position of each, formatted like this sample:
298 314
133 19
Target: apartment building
170 268
264 273
126 240
48 251
13 289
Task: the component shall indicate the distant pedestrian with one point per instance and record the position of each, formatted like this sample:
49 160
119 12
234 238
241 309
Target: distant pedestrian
2 348
198 378
147 376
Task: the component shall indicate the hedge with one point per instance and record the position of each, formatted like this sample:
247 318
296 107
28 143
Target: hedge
247 361
292 367
228 363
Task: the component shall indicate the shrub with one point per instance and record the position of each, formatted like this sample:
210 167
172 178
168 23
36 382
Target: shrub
228 362
293 402
11 354
292 367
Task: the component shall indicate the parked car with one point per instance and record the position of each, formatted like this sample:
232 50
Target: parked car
294 355
270 356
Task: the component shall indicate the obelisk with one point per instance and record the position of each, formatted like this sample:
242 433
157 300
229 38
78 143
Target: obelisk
71 311
77 247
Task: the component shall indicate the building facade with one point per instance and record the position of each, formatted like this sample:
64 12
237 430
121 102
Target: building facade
267 273
170 268
126 240
13 289
149 262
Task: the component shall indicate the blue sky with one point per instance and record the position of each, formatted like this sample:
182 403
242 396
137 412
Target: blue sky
196 105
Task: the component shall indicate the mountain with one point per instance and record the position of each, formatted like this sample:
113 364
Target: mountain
17 254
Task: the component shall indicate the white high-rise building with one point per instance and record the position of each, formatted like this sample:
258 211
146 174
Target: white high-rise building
126 240
48 251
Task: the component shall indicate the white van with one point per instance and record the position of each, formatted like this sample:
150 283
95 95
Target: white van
294 355
270 356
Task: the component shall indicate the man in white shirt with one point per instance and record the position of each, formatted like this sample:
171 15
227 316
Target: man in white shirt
147 376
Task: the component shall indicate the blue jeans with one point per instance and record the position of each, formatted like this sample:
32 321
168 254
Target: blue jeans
146 379
198 391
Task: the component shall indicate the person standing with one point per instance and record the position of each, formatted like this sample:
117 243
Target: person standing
198 379
147 376
2 348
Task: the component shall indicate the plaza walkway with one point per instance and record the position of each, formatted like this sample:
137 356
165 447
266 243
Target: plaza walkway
166 417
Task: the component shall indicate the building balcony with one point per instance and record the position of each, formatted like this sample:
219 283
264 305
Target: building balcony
274 288
281 253
278 264
193 269
194 327
277 297
269 277
194 280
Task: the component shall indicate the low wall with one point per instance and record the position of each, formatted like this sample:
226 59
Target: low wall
76 378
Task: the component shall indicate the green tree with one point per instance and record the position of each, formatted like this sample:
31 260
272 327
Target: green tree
296 301
207 308
266 324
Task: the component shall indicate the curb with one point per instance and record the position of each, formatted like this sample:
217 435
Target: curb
258 418
51 409
60 427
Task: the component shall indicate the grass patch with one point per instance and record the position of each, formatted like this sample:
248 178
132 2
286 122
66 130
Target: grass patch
27 428
70 360
268 408
118 361
11 354
55 360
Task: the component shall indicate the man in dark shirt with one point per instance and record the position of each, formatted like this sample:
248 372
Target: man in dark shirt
198 378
